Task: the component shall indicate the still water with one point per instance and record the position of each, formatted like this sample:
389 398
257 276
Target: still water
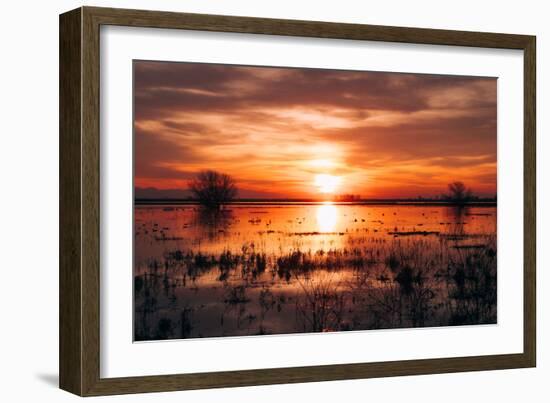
284 268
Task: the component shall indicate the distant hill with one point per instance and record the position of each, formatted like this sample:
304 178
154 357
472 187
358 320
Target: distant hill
154 193
151 193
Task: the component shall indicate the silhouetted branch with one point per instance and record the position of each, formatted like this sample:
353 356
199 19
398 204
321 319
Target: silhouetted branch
212 189
458 193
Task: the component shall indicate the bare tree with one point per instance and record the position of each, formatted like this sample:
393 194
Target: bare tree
212 189
458 192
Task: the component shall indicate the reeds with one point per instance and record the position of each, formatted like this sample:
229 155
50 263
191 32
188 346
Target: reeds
365 283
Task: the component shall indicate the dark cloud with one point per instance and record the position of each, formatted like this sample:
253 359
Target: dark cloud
153 151
162 88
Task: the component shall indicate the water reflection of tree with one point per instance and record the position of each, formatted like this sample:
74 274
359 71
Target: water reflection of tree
457 218
213 222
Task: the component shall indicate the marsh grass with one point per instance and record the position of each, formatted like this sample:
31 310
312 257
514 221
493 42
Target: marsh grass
315 282
407 282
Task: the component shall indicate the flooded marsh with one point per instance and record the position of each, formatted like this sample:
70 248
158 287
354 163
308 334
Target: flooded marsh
251 269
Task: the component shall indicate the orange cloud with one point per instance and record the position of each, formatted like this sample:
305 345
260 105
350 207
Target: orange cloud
274 129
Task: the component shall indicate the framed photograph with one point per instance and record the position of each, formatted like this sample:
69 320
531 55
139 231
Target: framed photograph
249 201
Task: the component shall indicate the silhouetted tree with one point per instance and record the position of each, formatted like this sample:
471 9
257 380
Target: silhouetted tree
458 192
212 189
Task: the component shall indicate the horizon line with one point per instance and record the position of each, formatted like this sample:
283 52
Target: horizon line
483 201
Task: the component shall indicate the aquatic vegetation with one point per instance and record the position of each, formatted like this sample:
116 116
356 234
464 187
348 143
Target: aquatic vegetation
365 273
237 295
321 308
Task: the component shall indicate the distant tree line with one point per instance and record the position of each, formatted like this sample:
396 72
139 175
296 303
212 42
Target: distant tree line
348 198
213 189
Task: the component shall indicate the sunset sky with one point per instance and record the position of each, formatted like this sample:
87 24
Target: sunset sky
292 133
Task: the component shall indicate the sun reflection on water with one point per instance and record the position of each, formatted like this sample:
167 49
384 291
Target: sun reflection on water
327 217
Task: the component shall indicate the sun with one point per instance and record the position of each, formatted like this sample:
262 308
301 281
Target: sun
326 183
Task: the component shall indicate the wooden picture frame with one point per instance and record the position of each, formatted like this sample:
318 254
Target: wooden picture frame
79 346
